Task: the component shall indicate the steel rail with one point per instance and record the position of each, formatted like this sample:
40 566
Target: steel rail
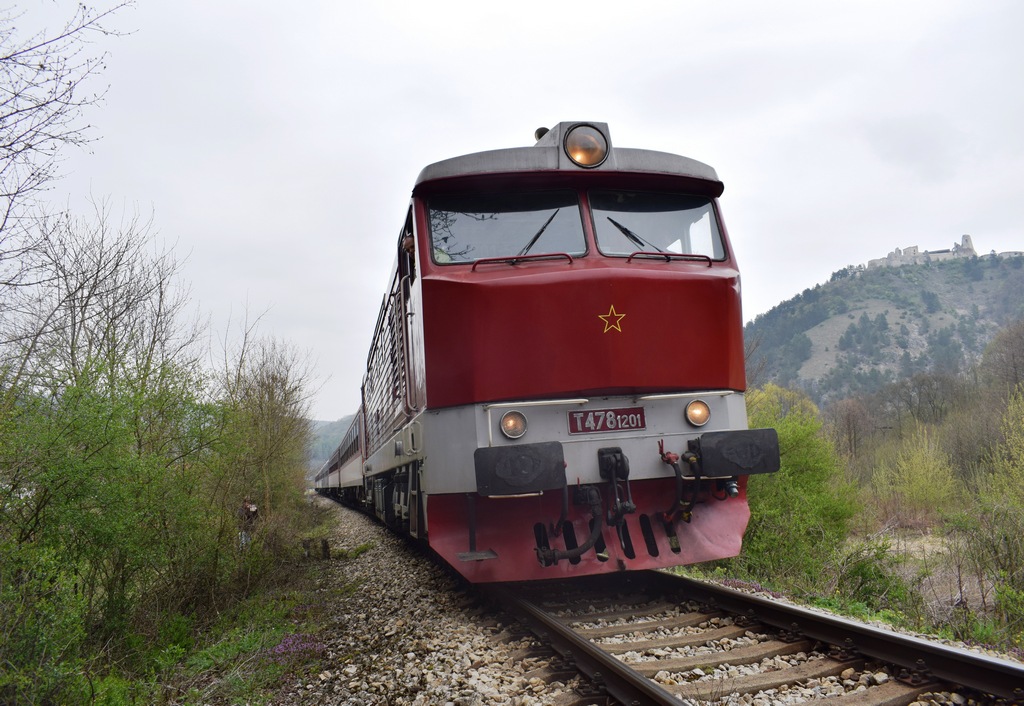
990 675
604 670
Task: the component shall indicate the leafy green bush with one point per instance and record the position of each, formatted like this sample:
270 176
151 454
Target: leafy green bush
800 516
42 627
868 571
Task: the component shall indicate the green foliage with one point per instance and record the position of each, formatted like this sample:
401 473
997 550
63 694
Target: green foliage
800 514
234 645
945 350
1008 457
866 337
868 572
945 452
123 457
42 626
255 644
795 352
986 545
997 539
913 481
1003 359
122 465
1010 609
356 552
798 537
986 540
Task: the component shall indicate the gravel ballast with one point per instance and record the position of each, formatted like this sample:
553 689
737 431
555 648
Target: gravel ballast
397 630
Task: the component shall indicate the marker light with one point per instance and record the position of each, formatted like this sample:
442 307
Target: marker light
513 424
698 413
586 146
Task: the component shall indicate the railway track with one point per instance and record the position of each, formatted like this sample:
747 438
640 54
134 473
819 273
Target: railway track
655 638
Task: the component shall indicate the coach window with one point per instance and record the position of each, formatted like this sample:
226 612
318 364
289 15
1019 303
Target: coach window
407 251
470 227
635 221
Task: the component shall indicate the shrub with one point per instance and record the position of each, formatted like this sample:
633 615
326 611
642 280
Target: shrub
914 482
1008 457
42 627
799 516
868 571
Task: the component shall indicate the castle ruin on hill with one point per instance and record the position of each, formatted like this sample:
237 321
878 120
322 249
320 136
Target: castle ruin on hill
914 256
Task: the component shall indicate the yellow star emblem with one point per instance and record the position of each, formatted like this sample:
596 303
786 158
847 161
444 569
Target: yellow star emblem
612 320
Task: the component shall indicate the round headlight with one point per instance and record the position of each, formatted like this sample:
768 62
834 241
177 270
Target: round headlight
698 413
513 424
586 146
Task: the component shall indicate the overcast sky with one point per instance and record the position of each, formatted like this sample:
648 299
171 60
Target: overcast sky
275 144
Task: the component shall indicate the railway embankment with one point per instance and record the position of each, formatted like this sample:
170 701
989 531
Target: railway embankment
378 623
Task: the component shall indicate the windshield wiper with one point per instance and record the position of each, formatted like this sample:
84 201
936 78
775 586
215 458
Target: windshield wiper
637 240
540 232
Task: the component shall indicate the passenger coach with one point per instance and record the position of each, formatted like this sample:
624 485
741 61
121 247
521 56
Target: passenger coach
555 384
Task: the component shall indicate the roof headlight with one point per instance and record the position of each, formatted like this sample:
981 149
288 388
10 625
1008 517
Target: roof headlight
513 424
698 413
586 146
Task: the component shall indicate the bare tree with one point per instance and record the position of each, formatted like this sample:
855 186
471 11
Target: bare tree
265 387
850 423
1003 361
107 314
104 294
753 359
926 397
43 93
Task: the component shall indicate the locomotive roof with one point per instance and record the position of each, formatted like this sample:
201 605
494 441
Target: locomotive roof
548 154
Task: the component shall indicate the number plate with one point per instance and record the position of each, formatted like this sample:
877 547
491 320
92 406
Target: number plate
602 421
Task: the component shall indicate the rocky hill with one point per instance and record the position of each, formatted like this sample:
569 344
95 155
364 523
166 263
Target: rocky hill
868 327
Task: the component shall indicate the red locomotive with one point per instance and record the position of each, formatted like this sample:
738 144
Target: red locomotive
555 384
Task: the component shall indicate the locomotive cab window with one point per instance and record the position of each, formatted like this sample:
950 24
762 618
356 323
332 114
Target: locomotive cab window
407 250
634 221
471 227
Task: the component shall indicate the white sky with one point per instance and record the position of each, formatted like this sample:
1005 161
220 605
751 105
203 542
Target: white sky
276 143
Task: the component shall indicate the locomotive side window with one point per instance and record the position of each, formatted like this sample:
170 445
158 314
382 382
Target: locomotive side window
634 221
471 227
407 250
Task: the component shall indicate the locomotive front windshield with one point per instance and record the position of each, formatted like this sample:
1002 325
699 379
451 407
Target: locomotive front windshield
471 227
635 221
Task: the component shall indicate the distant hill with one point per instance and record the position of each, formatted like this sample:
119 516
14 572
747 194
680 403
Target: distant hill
868 327
326 437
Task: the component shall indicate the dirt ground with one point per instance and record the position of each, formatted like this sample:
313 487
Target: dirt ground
941 573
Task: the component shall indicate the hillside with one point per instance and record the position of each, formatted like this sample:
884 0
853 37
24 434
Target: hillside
326 437
868 327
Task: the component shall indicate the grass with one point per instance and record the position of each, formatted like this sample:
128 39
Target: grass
355 552
250 651
909 580
237 661
266 642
